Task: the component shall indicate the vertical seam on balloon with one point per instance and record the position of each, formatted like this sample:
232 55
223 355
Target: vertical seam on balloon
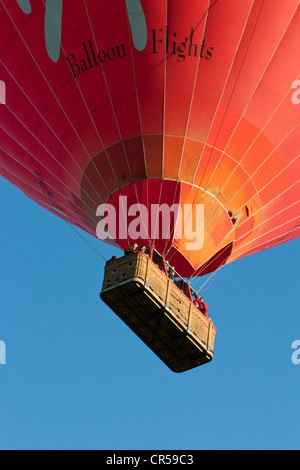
217 107
209 6
164 102
55 99
112 106
247 105
163 130
125 215
137 96
139 114
147 198
194 85
221 96
236 81
250 178
138 107
157 218
163 133
95 127
172 234
137 198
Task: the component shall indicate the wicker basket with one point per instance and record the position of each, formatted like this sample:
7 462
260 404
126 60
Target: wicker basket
158 312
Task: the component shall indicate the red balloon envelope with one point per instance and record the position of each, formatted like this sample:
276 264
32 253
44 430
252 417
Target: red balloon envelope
194 104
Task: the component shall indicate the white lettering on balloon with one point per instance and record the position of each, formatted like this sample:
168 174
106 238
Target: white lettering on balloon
296 94
137 221
2 92
2 353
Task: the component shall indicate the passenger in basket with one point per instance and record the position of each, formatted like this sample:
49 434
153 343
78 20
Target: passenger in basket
113 258
143 249
133 249
171 273
201 305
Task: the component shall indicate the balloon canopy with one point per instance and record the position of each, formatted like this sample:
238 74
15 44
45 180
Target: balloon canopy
162 102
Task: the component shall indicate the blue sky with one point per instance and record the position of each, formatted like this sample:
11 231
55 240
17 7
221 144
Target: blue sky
77 378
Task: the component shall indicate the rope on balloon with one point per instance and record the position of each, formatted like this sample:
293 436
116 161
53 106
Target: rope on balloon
213 277
97 252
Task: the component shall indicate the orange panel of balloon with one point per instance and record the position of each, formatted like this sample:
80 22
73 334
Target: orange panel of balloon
171 124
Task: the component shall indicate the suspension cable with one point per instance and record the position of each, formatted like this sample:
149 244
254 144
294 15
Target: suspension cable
92 248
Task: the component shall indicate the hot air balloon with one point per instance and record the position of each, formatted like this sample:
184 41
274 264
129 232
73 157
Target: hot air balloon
191 108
